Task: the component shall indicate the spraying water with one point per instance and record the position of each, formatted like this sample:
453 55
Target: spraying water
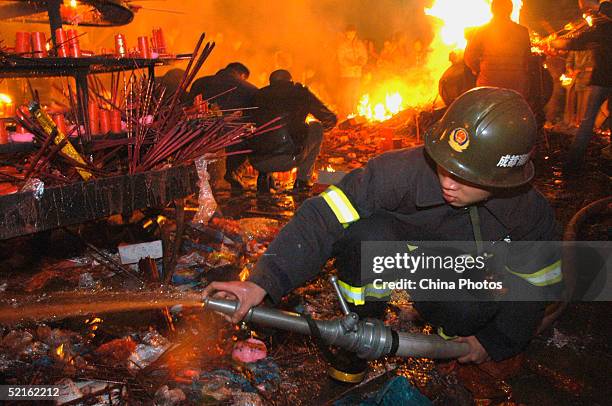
61 305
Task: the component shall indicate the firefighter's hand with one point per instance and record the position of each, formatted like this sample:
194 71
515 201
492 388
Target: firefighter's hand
477 353
248 295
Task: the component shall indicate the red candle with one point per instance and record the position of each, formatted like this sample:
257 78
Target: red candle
115 121
387 142
94 118
105 122
154 42
60 122
73 43
39 44
143 47
159 41
61 43
22 43
120 45
9 110
4 138
197 103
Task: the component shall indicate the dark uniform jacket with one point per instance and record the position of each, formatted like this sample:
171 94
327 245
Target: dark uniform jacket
292 102
405 184
498 53
222 81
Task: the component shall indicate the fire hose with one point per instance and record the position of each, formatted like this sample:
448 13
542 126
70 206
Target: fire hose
369 338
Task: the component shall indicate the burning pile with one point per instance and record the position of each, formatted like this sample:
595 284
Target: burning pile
412 82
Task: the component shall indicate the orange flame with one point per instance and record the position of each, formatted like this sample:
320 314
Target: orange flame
5 99
417 88
244 274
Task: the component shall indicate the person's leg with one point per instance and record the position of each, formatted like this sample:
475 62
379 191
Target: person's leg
233 163
266 166
595 98
310 151
570 106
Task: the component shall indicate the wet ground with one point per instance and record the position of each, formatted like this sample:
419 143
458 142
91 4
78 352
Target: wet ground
569 364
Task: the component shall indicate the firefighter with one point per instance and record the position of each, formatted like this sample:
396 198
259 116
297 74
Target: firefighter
498 52
470 182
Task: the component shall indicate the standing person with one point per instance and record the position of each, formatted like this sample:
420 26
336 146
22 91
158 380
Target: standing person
498 52
469 183
352 57
297 143
579 66
599 39
230 90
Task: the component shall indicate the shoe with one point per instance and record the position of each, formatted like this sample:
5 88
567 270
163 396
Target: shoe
347 367
234 180
265 183
302 186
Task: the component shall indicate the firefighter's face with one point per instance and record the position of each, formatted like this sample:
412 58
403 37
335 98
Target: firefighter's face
457 192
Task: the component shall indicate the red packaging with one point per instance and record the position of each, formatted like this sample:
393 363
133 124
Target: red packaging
20 129
73 43
143 47
61 43
60 122
120 45
115 121
39 45
22 43
105 121
4 138
94 118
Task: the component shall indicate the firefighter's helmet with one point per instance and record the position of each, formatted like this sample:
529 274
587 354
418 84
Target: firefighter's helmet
486 137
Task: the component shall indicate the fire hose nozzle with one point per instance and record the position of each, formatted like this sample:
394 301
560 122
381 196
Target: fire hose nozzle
369 338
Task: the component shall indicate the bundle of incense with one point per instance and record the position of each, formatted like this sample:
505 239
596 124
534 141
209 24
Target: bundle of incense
51 130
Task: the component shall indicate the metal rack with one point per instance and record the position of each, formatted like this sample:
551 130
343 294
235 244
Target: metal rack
25 213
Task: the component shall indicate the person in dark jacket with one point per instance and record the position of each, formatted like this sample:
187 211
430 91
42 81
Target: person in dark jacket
498 52
469 183
599 39
297 143
229 90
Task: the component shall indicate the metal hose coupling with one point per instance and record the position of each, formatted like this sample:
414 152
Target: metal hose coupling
369 338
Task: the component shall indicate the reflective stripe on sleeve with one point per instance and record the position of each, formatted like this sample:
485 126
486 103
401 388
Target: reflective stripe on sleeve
340 205
544 277
443 335
358 294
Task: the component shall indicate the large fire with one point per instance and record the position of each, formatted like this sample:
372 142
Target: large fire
418 85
